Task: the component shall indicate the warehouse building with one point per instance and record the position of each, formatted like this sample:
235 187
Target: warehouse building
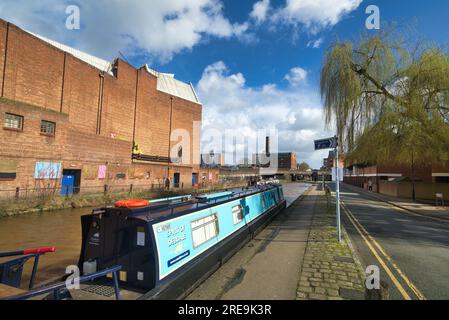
71 120
285 160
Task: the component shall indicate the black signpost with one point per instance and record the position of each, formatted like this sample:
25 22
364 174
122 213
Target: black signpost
332 143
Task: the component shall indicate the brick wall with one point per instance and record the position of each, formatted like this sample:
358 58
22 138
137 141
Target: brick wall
3 31
150 122
184 116
119 96
28 146
97 116
33 71
81 95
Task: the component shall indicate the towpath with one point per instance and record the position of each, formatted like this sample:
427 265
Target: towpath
277 264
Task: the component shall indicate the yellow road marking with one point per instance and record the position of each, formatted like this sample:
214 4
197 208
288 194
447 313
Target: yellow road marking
409 283
387 270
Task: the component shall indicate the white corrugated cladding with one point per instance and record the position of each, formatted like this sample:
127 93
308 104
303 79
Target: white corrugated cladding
168 84
165 82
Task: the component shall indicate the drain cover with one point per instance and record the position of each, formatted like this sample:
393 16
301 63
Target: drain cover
100 290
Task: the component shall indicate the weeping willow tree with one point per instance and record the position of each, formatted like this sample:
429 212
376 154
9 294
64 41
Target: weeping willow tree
388 100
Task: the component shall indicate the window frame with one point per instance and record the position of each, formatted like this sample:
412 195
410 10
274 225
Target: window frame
203 226
239 215
22 121
46 133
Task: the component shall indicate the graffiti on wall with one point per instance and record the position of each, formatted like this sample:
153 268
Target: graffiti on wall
47 170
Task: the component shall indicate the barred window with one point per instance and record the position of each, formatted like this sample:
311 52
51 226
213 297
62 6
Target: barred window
48 128
204 229
13 121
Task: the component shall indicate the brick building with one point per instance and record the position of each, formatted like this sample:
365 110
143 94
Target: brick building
400 180
286 160
68 115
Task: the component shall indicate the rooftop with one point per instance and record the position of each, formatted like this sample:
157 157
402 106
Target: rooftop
165 82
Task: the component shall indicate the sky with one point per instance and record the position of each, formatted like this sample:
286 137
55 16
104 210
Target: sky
254 63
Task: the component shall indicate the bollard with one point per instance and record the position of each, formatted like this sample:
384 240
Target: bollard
378 294
131 188
17 193
105 189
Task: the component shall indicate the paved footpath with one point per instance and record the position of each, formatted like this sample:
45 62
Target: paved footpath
288 260
266 268
330 269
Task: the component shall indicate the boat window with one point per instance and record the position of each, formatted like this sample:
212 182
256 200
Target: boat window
237 214
281 191
264 202
204 229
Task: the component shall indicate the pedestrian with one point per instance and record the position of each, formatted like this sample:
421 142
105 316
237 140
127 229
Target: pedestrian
167 183
370 185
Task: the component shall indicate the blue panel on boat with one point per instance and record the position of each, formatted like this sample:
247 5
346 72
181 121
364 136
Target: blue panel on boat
216 195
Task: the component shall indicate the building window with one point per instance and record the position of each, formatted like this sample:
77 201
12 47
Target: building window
13 121
441 179
48 128
204 230
237 214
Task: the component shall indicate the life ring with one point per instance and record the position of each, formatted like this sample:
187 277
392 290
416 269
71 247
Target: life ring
129 204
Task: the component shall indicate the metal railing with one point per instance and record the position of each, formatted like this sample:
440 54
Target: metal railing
57 287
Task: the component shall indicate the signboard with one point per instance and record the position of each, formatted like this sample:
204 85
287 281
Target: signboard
340 174
102 172
8 169
330 143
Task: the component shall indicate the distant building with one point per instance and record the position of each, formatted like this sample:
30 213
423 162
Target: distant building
397 180
286 160
212 160
328 163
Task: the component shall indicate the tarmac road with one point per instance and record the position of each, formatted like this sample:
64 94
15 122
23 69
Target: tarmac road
412 252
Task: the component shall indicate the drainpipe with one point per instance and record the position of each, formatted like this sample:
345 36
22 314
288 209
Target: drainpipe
169 136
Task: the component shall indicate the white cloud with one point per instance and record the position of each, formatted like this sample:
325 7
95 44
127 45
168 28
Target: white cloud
315 43
230 104
296 76
156 28
315 15
260 10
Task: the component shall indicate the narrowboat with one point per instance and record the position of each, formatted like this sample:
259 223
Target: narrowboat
165 248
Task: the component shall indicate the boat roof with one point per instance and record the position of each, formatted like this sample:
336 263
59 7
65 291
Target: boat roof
158 211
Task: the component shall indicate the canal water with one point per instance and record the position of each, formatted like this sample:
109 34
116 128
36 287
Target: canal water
62 229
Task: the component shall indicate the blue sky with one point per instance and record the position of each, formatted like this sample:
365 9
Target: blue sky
254 64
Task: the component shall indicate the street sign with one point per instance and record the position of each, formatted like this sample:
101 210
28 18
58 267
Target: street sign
337 173
330 143
340 174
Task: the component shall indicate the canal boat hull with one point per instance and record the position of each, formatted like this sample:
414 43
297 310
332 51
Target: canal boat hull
167 252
